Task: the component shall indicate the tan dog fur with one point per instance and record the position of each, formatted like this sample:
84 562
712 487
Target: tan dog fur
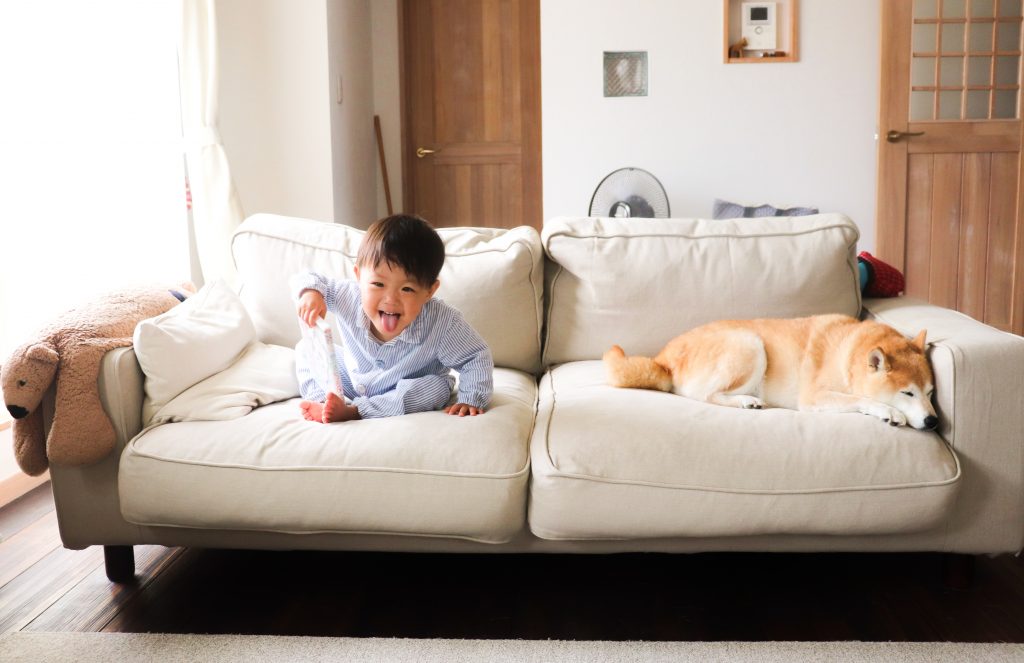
827 363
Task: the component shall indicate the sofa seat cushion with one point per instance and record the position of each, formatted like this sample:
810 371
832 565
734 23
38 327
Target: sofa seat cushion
628 463
428 474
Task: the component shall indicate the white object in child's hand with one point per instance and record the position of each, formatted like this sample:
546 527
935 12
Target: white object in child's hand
323 359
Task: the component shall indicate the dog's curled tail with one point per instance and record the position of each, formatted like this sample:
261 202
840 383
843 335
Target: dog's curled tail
635 372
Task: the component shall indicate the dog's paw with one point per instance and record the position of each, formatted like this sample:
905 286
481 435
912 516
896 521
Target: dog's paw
750 402
899 419
889 415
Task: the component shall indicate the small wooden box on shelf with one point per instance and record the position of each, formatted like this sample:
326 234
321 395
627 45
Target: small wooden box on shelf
780 16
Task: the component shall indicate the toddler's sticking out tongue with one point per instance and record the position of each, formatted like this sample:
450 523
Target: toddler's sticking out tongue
389 321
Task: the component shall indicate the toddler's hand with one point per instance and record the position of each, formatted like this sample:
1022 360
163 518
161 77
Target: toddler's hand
311 307
461 410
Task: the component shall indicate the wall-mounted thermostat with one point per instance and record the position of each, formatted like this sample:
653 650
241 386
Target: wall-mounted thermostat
760 28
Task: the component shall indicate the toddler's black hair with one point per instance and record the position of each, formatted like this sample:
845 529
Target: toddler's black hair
407 241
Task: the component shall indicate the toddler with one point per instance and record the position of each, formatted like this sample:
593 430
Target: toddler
399 342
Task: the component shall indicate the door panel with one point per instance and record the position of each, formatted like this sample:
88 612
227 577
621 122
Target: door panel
1002 304
970 296
468 194
948 206
944 232
919 222
472 96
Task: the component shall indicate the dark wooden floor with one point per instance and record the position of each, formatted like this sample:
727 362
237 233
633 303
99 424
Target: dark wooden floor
868 597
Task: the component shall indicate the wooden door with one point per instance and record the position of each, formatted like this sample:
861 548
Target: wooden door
949 166
471 111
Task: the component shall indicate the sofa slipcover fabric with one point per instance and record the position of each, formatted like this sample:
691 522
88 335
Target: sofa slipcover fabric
493 276
605 486
428 474
641 284
653 464
980 403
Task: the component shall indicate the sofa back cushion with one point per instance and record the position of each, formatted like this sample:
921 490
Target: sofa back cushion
641 282
493 276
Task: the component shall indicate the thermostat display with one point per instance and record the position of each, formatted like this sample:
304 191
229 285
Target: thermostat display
759 26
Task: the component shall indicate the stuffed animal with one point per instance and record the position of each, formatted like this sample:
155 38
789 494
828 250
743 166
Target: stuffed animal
70 350
736 50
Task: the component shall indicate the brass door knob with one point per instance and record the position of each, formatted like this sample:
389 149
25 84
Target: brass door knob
422 152
894 136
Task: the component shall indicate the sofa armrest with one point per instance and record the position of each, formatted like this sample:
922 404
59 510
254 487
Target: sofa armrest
121 393
980 403
86 496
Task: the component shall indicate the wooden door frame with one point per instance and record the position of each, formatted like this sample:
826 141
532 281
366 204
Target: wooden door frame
403 101
531 161
891 201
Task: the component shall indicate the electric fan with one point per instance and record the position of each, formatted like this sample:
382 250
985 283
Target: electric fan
630 192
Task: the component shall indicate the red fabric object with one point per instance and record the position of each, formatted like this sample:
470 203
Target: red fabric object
886 281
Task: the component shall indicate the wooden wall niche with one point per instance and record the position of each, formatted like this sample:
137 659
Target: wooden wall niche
786 19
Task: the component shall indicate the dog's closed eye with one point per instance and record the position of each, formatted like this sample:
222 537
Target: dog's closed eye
908 393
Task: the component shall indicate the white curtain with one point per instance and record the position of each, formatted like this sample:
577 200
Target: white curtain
92 190
92 187
216 208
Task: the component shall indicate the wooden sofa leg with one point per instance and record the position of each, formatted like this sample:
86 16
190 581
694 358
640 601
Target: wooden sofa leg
958 571
120 563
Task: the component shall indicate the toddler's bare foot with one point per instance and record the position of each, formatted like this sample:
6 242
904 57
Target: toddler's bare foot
312 411
336 409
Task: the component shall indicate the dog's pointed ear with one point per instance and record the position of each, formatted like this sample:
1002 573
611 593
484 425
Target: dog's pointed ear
876 360
919 340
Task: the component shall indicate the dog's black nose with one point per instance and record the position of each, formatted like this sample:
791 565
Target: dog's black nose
931 422
17 411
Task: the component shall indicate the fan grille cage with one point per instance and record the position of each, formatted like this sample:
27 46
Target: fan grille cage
632 192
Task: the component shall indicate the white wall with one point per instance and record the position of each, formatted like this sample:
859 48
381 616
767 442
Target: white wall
784 134
274 105
293 150
386 98
353 143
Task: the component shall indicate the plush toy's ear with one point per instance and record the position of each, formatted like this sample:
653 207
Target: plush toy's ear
42 352
26 376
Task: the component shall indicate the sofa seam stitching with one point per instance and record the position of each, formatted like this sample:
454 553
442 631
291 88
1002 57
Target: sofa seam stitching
387 470
220 528
262 233
570 234
763 491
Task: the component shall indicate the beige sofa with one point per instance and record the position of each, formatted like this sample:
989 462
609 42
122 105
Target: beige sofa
562 462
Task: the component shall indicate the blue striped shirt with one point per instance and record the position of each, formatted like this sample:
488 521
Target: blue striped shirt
438 340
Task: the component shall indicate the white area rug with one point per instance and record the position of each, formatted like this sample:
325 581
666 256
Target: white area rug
109 647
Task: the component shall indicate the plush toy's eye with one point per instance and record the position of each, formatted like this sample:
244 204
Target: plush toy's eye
22 383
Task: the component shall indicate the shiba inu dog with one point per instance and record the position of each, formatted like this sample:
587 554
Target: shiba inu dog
825 363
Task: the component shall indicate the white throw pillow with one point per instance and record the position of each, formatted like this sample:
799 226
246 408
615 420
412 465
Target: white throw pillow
194 340
262 374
